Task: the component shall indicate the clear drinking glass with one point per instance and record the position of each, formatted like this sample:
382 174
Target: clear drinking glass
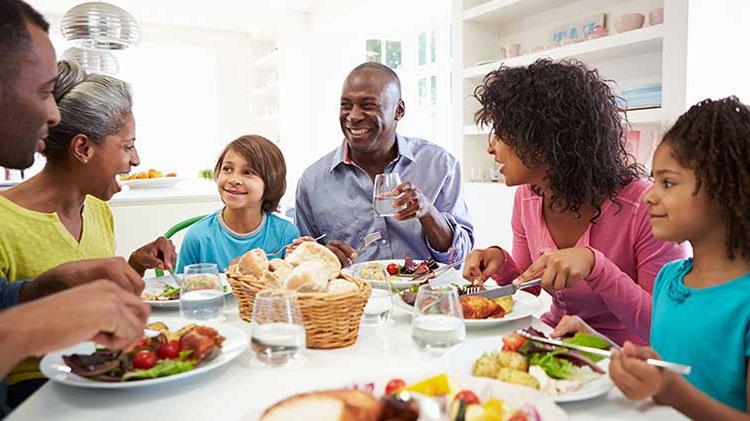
383 194
438 321
278 337
378 307
201 293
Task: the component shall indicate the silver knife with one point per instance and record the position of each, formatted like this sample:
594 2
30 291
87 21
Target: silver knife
506 290
677 368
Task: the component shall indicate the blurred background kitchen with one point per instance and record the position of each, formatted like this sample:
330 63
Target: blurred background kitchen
204 73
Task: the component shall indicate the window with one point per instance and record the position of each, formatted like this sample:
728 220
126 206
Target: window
385 52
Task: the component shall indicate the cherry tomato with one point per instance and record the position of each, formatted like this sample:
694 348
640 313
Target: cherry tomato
169 350
393 386
143 343
392 269
518 416
513 342
144 360
467 396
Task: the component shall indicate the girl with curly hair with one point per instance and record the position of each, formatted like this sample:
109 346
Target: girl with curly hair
578 221
700 195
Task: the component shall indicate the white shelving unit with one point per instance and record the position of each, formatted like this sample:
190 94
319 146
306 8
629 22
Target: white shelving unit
265 94
651 54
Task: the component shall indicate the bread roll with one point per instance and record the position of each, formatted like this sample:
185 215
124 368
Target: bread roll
309 276
254 263
310 251
341 286
341 405
280 268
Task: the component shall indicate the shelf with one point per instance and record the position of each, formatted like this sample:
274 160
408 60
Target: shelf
268 61
474 130
499 11
639 41
266 90
270 118
647 116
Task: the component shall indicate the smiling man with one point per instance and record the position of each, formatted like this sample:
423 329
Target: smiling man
334 195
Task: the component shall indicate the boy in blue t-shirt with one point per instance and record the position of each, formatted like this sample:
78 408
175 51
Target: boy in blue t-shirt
251 177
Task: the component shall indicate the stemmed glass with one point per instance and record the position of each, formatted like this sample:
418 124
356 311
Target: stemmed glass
383 193
438 321
278 337
201 293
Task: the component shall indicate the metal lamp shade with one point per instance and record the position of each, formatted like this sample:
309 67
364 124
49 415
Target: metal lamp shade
100 26
101 62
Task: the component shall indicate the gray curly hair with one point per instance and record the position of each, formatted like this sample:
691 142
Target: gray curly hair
94 105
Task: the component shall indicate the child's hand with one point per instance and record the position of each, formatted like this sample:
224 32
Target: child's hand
570 325
636 379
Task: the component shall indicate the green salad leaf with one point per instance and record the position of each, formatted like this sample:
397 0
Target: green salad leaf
587 339
162 369
557 368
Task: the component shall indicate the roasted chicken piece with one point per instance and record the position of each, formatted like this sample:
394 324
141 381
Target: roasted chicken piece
203 341
477 307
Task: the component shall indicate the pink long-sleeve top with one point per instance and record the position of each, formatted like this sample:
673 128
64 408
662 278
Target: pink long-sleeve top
616 297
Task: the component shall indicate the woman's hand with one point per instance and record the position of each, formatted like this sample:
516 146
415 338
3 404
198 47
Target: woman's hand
483 263
570 325
560 269
158 254
636 379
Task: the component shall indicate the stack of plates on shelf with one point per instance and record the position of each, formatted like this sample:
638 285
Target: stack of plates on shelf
641 96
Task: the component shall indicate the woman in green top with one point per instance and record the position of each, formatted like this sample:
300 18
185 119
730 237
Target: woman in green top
61 214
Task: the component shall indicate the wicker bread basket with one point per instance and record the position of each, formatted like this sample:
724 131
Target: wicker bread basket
331 320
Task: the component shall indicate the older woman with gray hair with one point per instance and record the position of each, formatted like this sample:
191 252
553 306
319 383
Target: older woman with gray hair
61 214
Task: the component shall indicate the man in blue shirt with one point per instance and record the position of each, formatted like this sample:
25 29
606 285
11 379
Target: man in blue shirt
113 314
334 195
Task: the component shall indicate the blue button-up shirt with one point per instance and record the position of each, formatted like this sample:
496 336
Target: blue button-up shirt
334 196
9 296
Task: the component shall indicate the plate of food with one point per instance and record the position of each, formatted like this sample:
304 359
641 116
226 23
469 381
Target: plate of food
150 179
162 356
562 374
163 292
438 397
480 312
397 274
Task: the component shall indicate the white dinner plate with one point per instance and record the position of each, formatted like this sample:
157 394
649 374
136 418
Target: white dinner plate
399 282
460 358
152 183
524 305
53 366
156 285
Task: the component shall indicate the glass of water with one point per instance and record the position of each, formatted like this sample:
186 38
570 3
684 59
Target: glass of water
383 193
438 321
278 337
378 307
201 293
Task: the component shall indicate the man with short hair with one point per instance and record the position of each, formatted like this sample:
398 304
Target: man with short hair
334 195
52 315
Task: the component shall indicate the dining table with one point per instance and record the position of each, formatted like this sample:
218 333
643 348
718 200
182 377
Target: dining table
241 389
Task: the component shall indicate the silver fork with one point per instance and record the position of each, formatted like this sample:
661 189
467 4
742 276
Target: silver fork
282 248
369 239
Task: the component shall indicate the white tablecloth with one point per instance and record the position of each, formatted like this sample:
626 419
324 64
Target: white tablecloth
239 391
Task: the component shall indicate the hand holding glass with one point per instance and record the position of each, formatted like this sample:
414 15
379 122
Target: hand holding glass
201 293
383 194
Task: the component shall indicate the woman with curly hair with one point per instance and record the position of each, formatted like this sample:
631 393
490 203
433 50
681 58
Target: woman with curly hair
700 195
578 221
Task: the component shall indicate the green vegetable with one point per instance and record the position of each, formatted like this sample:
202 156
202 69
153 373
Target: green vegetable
170 291
184 354
593 341
461 413
162 369
557 368
207 174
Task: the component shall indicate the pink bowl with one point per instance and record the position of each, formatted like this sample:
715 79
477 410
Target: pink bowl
629 21
656 16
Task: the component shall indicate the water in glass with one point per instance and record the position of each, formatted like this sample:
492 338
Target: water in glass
383 194
278 336
378 307
201 293
438 323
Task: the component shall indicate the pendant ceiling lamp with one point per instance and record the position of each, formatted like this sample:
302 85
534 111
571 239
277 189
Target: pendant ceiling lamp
101 26
93 61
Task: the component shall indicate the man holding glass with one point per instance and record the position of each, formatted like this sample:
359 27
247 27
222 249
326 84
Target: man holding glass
336 195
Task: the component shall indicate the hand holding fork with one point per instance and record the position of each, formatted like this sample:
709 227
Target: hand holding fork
346 253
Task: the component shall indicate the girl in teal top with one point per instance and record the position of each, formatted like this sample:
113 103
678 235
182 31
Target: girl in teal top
251 177
701 308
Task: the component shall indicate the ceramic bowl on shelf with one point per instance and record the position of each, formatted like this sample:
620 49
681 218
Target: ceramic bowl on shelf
629 21
656 16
